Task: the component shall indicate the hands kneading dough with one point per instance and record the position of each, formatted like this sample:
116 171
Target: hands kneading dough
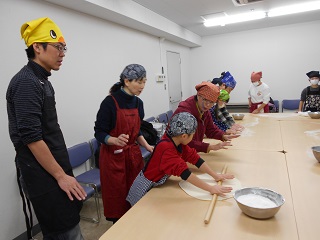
198 193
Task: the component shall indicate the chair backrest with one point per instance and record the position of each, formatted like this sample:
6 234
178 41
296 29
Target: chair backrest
163 118
79 154
290 104
150 119
274 106
169 114
95 151
94 144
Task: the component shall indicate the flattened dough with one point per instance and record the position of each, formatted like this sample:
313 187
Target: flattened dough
198 193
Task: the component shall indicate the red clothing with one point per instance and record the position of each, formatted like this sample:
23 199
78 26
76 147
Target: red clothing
254 106
119 169
205 125
167 159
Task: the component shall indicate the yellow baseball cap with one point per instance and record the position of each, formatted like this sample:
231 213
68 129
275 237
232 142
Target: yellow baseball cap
41 30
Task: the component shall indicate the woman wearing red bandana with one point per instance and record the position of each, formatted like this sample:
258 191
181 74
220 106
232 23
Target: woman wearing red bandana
199 106
259 94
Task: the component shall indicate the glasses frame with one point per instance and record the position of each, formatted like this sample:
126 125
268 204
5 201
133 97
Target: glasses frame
59 47
207 102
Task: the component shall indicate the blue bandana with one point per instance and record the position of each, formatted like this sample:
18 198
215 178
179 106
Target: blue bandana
182 123
133 71
228 80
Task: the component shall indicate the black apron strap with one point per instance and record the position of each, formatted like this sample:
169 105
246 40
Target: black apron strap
25 203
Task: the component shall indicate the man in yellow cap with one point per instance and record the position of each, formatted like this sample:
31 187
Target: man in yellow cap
42 161
199 106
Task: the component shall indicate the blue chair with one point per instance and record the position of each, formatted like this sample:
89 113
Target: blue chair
150 119
274 108
163 118
78 155
94 145
290 104
145 154
169 114
95 148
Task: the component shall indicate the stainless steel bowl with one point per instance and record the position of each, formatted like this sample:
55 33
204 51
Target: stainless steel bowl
238 116
316 152
260 203
314 115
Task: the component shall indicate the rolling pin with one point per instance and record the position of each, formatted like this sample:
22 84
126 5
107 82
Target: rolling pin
213 200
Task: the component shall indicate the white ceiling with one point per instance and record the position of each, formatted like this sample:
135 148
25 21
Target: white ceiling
180 20
187 13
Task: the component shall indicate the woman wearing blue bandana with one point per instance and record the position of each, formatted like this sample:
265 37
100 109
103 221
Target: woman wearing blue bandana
118 129
219 112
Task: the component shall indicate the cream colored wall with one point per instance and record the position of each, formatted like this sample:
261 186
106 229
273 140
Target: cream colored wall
284 54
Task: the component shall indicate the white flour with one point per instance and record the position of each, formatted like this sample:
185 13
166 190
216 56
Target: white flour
256 201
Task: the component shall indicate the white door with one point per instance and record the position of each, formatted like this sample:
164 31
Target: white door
174 79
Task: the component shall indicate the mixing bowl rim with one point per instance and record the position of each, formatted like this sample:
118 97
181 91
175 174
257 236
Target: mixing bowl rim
312 148
259 188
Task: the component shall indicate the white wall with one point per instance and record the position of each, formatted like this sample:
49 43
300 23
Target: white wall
284 54
98 51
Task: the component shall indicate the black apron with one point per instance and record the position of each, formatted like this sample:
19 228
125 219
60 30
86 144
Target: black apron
312 102
54 211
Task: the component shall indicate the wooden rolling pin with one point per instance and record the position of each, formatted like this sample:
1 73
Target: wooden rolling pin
213 200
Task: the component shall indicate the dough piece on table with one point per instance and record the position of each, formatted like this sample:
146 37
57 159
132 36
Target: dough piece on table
198 193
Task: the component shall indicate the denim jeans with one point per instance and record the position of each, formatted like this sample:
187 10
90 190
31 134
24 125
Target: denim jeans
72 234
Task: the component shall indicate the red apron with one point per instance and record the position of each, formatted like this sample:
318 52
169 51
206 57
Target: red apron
254 106
119 166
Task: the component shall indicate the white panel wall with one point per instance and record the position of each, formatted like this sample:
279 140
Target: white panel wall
98 51
283 54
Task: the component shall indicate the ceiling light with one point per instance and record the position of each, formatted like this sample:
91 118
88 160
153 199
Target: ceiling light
221 21
296 8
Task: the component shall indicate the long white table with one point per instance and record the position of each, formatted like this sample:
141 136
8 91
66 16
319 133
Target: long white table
304 174
283 164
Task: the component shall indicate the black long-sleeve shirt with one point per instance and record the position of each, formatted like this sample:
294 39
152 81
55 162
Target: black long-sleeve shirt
107 114
25 97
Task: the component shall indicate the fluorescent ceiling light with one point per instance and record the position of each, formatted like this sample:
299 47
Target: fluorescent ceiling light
221 21
296 8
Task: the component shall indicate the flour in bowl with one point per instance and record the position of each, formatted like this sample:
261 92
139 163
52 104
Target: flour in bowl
256 201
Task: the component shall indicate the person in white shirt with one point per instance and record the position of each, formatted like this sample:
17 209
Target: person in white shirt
258 94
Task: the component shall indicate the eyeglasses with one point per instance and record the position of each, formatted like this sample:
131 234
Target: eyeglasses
207 102
59 47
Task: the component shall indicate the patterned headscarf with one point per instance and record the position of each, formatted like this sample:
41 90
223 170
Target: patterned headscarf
41 30
182 123
228 80
208 91
133 71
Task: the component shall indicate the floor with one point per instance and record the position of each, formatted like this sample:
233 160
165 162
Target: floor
90 231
